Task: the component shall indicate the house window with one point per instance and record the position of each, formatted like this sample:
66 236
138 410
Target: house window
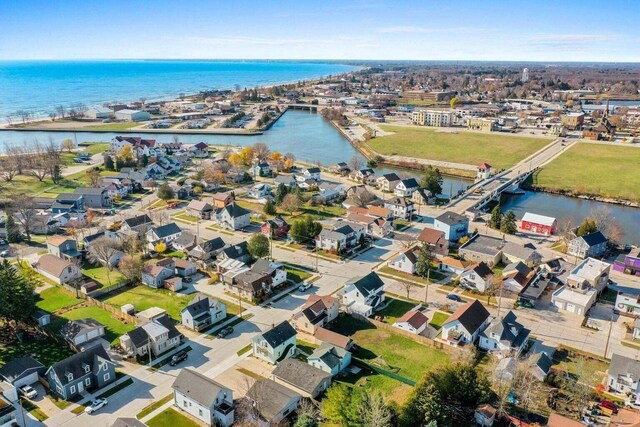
184 403
107 376
200 412
87 382
72 389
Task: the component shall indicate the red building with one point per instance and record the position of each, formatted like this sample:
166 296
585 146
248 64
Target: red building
538 224
276 227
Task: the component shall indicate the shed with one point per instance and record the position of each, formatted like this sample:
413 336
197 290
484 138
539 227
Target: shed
128 309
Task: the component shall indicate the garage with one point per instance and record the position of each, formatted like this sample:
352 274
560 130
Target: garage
571 307
22 371
559 304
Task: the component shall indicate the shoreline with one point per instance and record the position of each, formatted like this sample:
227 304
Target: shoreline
589 197
133 131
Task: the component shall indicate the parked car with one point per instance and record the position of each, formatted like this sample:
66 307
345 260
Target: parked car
3 242
304 286
454 297
225 331
608 406
28 392
95 405
178 357
5 253
187 280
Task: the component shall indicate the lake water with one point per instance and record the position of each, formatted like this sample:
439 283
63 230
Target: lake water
311 138
40 86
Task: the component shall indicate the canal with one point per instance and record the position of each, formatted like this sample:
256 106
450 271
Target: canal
311 138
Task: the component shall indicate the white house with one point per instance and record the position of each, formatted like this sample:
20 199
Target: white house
156 336
623 376
413 321
316 313
276 344
232 216
388 181
202 312
132 115
465 325
628 303
81 331
344 238
166 233
311 172
504 337
477 277
400 207
406 187
331 190
260 190
203 398
590 245
405 261
363 295
57 269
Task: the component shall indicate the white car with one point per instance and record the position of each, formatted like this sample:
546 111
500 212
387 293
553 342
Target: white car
28 392
95 405
305 286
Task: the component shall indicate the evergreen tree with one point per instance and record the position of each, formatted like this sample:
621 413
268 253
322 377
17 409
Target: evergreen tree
17 301
306 420
281 191
165 192
432 180
108 163
588 226
119 163
56 176
144 160
12 229
496 217
269 208
423 264
508 223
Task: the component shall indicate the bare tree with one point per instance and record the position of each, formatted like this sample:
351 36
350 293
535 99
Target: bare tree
565 229
67 144
159 217
526 384
61 110
362 197
24 213
102 251
93 177
407 286
355 163
290 203
577 385
501 384
131 267
261 151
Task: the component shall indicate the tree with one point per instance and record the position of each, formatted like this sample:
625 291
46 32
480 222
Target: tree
269 208
588 226
453 103
25 213
160 247
235 159
126 154
423 264
102 251
304 229
165 192
425 406
93 177
355 163
17 301
108 163
144 160
508 223
247 155
261 151
67 144
339 408
496 217
374 412
131 267
281 191
12 230
258 245
432 180
290 203
306 420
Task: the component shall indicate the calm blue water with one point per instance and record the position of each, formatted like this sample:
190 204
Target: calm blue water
40 86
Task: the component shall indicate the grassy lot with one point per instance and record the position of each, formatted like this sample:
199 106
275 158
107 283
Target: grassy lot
114 126
601 170
391 389
98 273
55 298
473 148
296 275
113 327
576 364
143 297
32 409
186 218
155 405
171 418
438 319
44 349
96 147
395 309
419 102
434 276
390 350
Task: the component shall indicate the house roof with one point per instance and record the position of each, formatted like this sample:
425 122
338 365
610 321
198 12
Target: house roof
588 269
138 220
593 239
483 270
557 420
234 210
471 315
167 230
57 240
300 374
483 244
279 334
452 218
368 284
622 365
525 252
236 251
52 264
199 205
331 337
538 219
270 397
542 361
390 177
153 269
197 387
508 330
207 246
18 367
410 183
414 318
221 196
198 305
73 328
454 262
484 166
74 364
128 422
431 236
410 254
330 354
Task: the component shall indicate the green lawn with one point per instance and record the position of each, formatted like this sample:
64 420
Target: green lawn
114 126
98 273
391 389
96 147
296 275
55 298
395 309
438 319
434 276
600 170
143 297
44 349
591 369
390 350
113 327
171 418
473 148
153 406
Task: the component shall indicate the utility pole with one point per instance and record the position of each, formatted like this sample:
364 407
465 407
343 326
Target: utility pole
24 420
606 347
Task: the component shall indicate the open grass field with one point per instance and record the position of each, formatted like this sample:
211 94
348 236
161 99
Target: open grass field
395 309
391 389
142 297
114 126
95 147
98 273
113 327
55 298
44 349
403 355
473 148
171 418
600 170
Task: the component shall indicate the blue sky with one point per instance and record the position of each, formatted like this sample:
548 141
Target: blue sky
361 29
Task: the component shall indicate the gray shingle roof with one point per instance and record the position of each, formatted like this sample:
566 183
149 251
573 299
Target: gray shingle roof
270 397
329 354
279 334
452 218
167 230
622 365
508 330
368 284
196 386
73 328
471 315
301 374
74 364
16 368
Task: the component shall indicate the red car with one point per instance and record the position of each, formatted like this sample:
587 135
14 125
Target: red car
606 404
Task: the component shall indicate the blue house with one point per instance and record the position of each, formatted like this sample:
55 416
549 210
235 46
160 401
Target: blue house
453 225
87 370
68 202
